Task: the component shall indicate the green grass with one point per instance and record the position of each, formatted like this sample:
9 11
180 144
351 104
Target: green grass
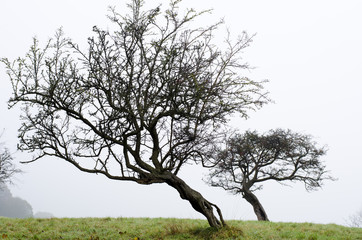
159 228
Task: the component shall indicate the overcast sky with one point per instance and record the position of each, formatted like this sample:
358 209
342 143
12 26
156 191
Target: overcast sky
309 50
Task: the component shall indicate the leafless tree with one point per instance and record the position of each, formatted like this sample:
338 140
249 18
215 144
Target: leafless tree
355 220
139 103
249 159
7 167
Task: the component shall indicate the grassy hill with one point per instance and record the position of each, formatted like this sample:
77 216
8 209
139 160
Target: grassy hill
146 228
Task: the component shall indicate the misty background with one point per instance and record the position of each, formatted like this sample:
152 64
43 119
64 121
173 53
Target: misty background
311 53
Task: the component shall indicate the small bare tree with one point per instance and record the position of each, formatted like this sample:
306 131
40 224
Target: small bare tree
355 220
7 167
140 103
249 159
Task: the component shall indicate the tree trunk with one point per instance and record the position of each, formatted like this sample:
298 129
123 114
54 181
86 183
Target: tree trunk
258 208
197 201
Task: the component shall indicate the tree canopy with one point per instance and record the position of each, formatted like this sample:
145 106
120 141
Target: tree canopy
140 102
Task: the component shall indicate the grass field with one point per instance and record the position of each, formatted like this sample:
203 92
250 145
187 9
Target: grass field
159 228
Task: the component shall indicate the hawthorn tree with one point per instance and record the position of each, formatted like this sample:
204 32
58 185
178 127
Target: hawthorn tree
249 159
139 103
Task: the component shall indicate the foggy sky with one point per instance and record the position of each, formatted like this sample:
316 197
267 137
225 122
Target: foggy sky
311 53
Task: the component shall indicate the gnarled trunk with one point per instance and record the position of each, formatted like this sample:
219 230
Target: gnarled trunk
258 208
198 202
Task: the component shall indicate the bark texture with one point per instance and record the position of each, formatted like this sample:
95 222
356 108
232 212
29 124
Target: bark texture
197 201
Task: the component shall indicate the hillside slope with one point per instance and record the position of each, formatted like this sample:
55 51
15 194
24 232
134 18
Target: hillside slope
159 228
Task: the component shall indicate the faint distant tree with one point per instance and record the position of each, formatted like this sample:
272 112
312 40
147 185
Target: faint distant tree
140 103
7 168
356 220
249 159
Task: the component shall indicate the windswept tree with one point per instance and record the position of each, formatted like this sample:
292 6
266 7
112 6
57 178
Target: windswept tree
139 103
249 159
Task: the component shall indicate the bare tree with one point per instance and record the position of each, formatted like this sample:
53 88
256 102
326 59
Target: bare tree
249 159
139 103
7 167
355 220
